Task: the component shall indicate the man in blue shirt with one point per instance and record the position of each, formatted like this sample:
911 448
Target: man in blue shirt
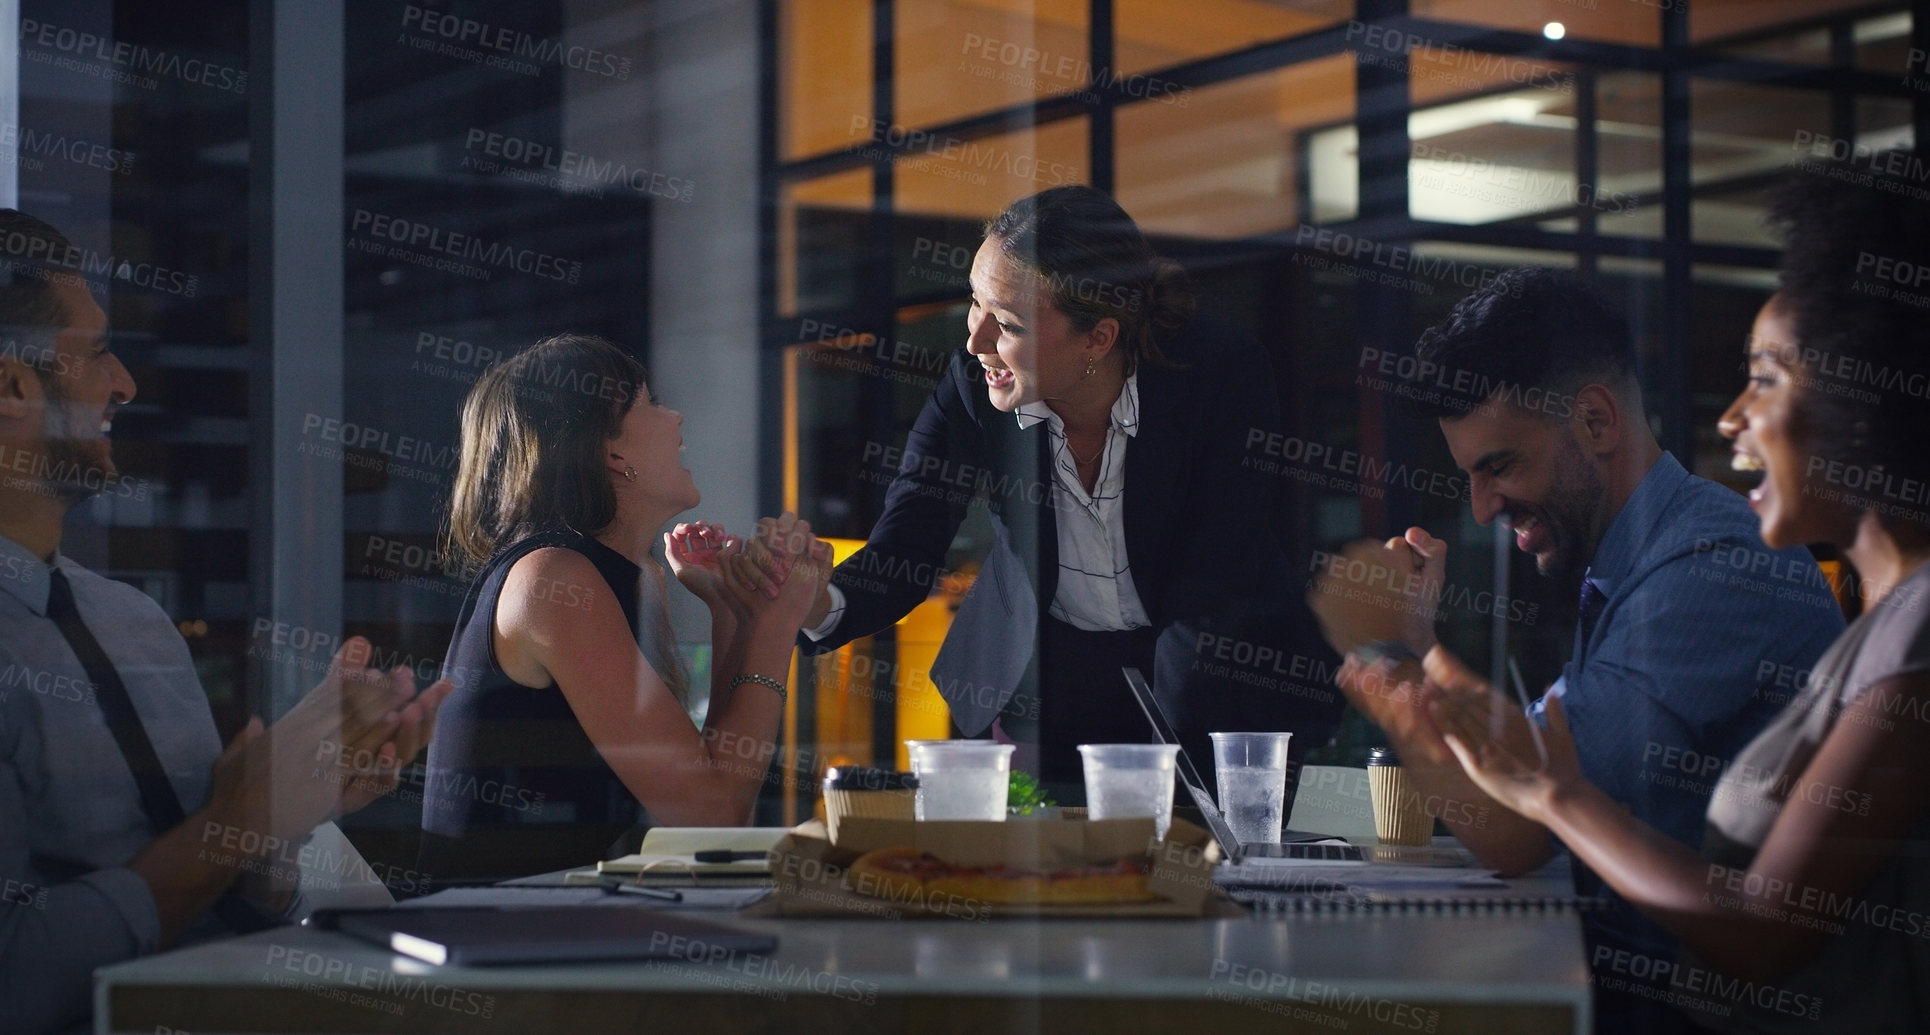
1689 627
124 826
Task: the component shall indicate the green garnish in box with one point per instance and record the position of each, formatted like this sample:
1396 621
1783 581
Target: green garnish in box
1023 795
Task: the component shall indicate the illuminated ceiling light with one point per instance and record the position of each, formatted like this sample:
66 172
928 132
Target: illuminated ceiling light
1554 30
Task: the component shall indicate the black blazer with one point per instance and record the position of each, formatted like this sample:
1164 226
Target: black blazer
1199 505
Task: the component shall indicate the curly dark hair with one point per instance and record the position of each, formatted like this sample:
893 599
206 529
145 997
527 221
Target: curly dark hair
1531 335
1855 283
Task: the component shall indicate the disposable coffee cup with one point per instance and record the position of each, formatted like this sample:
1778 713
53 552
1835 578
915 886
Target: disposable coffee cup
1400 817
865 792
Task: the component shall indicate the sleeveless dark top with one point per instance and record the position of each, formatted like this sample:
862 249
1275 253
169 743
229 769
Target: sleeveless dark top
514 786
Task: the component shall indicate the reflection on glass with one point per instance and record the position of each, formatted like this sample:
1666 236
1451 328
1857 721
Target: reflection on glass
1611 21
823 74
823 230
960 57
1229 164
1153 34
975 179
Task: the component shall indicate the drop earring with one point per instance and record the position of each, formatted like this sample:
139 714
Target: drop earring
1092 367
629 473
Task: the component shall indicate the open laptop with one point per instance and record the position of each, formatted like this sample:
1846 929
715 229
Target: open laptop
1294 846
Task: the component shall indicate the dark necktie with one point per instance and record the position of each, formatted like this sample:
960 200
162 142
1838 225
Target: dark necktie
1590 612
158 800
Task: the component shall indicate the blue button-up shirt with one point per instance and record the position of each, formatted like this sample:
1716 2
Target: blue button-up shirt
1703 633
67 794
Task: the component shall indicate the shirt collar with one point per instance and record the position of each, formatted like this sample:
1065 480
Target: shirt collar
1125 410
1636 522
25 576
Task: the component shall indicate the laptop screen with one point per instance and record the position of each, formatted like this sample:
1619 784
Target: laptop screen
1188 775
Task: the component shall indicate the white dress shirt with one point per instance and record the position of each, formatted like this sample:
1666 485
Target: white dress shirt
1095 578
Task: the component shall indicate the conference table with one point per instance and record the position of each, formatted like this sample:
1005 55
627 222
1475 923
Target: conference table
1416 970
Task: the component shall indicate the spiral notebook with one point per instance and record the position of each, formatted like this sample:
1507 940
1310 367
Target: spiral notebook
1406 889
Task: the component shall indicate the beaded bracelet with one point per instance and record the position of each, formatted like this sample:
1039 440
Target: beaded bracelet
783 693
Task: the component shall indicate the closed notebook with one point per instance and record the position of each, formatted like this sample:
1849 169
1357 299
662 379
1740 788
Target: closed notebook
487 936
671 855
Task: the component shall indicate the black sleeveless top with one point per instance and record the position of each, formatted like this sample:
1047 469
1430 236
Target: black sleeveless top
514 786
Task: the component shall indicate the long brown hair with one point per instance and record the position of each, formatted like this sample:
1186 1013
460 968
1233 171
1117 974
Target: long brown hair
535 430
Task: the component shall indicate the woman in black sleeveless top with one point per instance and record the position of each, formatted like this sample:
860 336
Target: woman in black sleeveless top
569 721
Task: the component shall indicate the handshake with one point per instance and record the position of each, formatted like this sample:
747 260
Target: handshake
778 573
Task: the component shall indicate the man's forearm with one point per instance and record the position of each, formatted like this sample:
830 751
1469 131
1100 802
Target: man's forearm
189 867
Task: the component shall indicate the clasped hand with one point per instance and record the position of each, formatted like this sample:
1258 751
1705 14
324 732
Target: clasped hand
778 571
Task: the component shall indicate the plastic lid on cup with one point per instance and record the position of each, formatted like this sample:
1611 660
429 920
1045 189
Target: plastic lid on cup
1382 757
867 778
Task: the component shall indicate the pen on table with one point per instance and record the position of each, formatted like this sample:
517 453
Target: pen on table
630 888
728 855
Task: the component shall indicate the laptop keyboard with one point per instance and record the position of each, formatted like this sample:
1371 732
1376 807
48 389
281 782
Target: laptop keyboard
1307 852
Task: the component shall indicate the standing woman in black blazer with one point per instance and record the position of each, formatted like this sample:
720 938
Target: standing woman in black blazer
1111 433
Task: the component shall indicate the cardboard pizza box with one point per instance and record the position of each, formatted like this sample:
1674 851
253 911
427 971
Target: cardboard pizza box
812 878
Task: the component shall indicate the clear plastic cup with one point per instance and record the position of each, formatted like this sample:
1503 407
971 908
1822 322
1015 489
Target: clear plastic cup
962 779
1128 780
1252 773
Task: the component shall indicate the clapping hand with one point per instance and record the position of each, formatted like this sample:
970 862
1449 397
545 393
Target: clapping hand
1497 744
1380 591
341 747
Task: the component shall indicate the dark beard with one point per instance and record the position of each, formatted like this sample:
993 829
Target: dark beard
1569 510
76 470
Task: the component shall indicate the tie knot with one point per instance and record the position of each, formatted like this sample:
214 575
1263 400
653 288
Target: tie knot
60 595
